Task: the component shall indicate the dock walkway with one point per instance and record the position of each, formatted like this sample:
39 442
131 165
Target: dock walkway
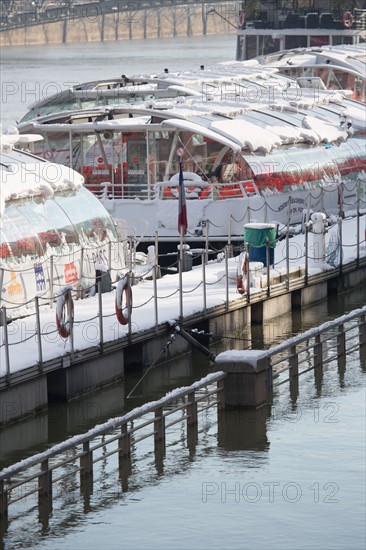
37 365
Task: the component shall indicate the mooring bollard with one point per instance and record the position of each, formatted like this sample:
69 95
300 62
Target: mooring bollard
249 378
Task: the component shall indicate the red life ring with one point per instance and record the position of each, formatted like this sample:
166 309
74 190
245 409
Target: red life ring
347 20
124 290
65 313
241 278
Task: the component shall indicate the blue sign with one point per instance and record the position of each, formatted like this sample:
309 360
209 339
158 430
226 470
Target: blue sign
40 280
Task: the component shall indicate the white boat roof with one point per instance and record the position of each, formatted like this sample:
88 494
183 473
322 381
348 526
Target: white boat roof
188 82
253 108
23 174
351 58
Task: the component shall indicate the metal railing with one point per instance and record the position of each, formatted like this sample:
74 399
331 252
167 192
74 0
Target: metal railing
39 474
23 14
332 342
273 282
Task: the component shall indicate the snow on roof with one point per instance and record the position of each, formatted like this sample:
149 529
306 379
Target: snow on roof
23 174
356 115
326 132
247 134
194 127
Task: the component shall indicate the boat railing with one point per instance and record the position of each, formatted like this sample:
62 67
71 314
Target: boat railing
305 19
207 189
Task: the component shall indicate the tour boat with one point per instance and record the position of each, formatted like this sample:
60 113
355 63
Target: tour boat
53 231
254 146
339 67
114 91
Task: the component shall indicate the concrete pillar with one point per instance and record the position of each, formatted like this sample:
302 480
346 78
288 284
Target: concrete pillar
249 378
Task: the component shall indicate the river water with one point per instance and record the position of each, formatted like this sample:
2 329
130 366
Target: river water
29 74
292 477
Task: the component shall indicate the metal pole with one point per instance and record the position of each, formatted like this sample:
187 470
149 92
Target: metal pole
306 254
358 233
81 269
268 268
248 272
72 332
156 248
6 344
287 259
180 266
1 282
155 275
129 305
211 356
341 194
204 284
110 256
207 223
100 314
229 231
131 253
227 279
340 245
155 268
51 282
38 327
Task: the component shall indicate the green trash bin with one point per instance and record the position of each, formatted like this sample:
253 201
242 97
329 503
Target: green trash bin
256 234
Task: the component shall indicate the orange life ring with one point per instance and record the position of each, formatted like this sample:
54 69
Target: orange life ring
241 278
347 20
123 290
64 313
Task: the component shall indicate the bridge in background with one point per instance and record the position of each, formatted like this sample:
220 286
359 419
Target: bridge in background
16 14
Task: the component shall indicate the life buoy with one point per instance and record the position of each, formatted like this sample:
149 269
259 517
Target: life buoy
242 275
347 20
64 312
123 293
191 192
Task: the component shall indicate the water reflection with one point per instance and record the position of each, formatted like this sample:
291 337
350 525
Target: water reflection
244 429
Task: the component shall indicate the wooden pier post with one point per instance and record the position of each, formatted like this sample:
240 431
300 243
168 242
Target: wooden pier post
124 441
362 338
341 346
3 500
191 410
294 374
45 493
86 460
159 429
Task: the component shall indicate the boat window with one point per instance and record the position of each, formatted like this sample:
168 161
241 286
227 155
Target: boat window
304 166
89 218
54 148
20 234
31 226
56 227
